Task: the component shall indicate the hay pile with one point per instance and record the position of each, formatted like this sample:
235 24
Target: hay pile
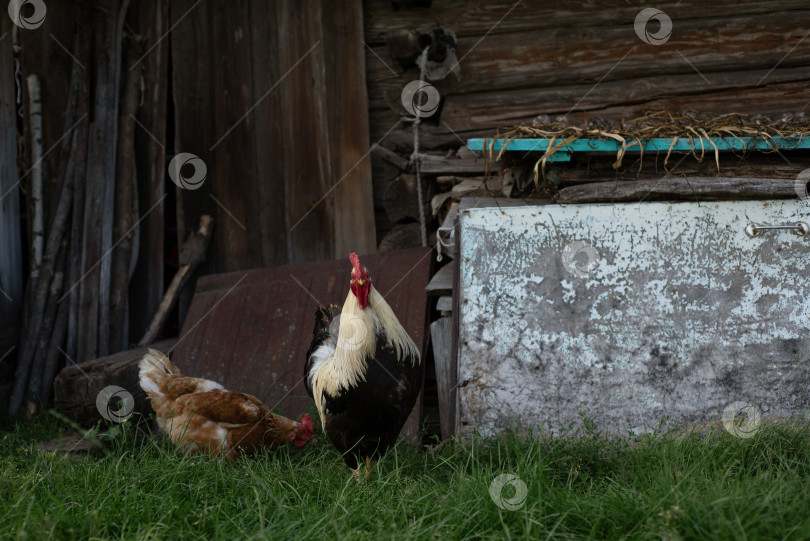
699 129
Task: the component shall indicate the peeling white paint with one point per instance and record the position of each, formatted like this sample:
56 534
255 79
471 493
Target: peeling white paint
681 311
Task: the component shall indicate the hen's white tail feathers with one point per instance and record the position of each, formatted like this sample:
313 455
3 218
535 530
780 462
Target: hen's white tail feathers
153 367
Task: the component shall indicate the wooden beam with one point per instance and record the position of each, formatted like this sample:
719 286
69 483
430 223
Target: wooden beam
701 188
477 18
390 156
612 52
77 387
629 97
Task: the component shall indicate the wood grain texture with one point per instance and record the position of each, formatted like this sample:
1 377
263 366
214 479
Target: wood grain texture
286 148
497 17
99 195
77 386
574 55
589 168
347 106
695 188
151 20
441 338
586 61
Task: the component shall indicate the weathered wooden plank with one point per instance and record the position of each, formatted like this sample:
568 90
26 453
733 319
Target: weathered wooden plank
347 120
578 55
495 17
441 338
195 130
126 213
439 165
593 168
469 187
700 188
151 20
308 174
269 153
108 18
482 114
233 150
619 99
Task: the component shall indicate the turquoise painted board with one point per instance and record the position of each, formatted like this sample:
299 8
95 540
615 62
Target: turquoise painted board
649 145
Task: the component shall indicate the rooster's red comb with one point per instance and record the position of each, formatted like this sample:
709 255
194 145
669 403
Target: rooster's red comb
359 270
355 259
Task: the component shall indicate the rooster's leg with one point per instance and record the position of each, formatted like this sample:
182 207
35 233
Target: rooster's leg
356 474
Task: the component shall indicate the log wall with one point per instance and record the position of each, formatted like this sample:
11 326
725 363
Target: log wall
521 60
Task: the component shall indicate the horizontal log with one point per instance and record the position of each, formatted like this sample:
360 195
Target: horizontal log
439 165
391 157
613 99
484 114
477 187
402 200
701 188
431 136
77 386
401 237
494 17
599 168
586 55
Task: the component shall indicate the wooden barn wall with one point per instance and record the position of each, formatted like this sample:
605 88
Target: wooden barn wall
519 60
11 266
271 96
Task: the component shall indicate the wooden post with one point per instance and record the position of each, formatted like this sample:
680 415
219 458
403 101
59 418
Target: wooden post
441 336
192 255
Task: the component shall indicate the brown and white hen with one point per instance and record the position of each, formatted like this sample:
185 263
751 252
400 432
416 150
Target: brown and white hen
200 415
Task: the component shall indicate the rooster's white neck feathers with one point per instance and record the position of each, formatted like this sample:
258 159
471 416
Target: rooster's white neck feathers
357 342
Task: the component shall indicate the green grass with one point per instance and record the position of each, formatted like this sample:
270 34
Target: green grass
711 486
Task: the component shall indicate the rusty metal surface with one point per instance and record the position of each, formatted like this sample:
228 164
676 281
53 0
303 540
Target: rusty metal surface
630 313
250 330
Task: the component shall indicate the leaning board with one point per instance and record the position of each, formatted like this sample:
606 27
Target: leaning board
629 313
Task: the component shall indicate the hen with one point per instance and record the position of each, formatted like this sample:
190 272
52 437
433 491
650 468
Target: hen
363 372
200 415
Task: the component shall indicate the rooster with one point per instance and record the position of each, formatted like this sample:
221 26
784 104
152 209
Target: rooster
363 372
200 415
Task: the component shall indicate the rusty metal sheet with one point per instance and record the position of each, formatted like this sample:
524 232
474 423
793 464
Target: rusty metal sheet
630 313
250 330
